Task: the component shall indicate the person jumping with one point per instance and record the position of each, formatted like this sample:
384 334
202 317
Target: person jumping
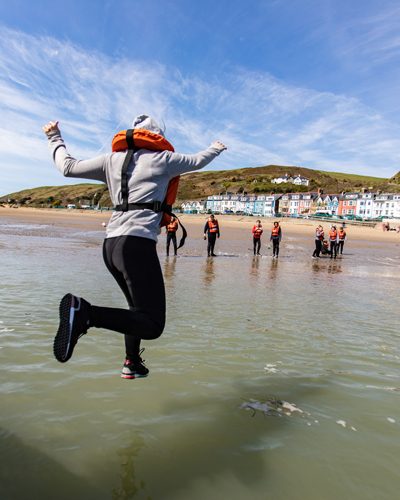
137 178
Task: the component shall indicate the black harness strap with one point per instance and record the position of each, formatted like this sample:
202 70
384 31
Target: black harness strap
156 206
124 172
184 232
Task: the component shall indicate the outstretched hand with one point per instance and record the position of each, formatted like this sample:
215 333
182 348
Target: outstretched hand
219 145
51 127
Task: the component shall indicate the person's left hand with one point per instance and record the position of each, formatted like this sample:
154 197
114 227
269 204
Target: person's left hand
51 127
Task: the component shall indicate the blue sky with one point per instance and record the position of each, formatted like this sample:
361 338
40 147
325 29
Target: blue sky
305 82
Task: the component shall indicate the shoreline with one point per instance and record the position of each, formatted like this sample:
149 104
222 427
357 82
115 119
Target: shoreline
239 226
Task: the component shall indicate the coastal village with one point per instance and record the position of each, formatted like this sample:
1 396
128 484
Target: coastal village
363 206
356 202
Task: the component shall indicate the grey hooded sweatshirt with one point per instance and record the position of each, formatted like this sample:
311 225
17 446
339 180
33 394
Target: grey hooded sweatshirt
148 176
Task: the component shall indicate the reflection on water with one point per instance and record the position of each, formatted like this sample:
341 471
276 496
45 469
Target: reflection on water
169 267
254 266
330 266
273 271
208 271
317 335
129 456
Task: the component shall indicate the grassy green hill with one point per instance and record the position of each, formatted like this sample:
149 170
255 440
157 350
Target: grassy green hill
199 185
395 179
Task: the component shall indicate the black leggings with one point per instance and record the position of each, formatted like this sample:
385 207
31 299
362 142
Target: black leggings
333 249
256 245
211 243
340 246
275 246
171 236
134 263
318 248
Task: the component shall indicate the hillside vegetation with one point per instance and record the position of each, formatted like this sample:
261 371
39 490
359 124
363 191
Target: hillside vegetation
199 185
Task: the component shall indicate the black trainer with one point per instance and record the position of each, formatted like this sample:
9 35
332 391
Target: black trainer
74 322
134 368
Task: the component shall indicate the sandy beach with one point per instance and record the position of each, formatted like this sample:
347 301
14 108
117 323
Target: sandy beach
232 226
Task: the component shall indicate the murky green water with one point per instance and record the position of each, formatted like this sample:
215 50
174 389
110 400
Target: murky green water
242 333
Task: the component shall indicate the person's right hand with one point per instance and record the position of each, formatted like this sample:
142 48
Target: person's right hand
219 145
205 237
51 127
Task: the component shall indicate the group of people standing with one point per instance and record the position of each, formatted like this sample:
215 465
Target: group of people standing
211 233
275 238
333 245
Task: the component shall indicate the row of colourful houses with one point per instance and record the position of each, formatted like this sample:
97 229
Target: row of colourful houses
365 205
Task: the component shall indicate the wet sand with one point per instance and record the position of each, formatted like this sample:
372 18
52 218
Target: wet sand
232 226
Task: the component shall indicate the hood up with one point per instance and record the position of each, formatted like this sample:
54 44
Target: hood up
147 123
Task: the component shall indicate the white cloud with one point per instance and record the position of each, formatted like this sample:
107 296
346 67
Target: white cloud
261 119
371 39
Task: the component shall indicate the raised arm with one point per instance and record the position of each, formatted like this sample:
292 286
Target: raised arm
68 165
180 163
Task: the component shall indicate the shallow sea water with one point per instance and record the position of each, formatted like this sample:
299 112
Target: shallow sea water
273 379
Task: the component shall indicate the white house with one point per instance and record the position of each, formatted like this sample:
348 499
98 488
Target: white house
364 206
279 180
193 206
300 181
385 205
294 203
396 200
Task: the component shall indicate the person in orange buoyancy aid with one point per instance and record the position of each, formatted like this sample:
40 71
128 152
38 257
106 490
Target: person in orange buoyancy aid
211 229
325 247
139 173
333 238
276 236
257 232
341 238
171 230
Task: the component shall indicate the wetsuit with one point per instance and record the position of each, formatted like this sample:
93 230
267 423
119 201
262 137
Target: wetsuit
276 236
341 237
212 230
130 247
171 236
333 243
257 232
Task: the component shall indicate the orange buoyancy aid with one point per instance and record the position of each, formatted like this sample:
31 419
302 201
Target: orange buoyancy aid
145 139
257 231
213 226
275 231
172 227
342 235
332 234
